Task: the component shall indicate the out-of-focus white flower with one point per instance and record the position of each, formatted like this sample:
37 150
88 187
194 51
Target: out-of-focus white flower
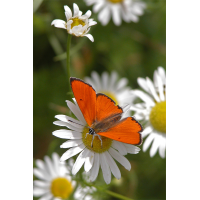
99 155
153 111
78 25
55 181
128 10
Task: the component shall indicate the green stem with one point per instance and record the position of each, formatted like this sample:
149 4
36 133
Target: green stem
69 93
119 196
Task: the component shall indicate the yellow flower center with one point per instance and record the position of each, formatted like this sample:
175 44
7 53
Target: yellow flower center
61 188
158 116
97 147
76 22
115 1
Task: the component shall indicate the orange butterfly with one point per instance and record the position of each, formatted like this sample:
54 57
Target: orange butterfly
103 116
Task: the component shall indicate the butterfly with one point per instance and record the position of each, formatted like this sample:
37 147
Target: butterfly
103 117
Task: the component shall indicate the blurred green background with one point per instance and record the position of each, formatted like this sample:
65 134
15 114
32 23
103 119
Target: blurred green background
132 49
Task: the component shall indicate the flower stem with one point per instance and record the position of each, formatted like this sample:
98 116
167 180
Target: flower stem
119 196
69 93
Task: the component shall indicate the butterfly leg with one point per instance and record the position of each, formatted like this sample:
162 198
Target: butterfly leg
92 140
86 135
100 139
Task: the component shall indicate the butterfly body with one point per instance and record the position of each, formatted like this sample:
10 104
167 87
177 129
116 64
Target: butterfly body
103 117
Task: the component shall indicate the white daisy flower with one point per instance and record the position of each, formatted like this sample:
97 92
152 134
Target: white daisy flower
78 25
153 111
55 181
99 155
128 10
112 87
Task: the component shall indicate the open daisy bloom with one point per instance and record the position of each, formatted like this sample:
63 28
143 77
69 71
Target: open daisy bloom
112 87
128 10
96 152
78 25
55 181
153 111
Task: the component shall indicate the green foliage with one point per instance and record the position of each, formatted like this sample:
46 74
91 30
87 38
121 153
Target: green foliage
132 49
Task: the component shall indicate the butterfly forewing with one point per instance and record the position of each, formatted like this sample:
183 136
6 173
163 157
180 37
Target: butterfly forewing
85 96
105 107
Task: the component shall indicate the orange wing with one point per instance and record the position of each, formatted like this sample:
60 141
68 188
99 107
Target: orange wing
85 96
127 131
106 107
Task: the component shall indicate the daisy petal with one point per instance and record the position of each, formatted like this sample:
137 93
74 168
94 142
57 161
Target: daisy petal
67 134
131 148
39 191
95 168
89 161
116 15
47 196
72 152
59 23
148 141
90 37
152 89
155 146
104 16
80 161
119 146
121 159
71 143
41 183
68 12
76 10
105 168
162 149
113 166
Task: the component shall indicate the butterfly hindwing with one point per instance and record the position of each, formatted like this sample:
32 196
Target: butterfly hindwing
127 130
85 96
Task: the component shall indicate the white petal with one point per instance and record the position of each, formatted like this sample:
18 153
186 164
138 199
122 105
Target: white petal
146 98
131 148
56 162
113 79
92 23
39 191
68 12
41 183
97 80
104 81
50 166
90 37
89 161
113 166
59 23
71 152
162 149
119 146
121 159
146 131
122 83
98 6
155 146
95 168
148 141
105 168
88 14
40 164
47 196
161 72
71 143
80 161
159 83
152 89
68 119
104 16
116 15
67 134
143 84
76 110
76 10
40 175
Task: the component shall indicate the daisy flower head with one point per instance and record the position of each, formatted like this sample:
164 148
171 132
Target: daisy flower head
153 111
94 152
113 87
128 10
55 182
78 24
